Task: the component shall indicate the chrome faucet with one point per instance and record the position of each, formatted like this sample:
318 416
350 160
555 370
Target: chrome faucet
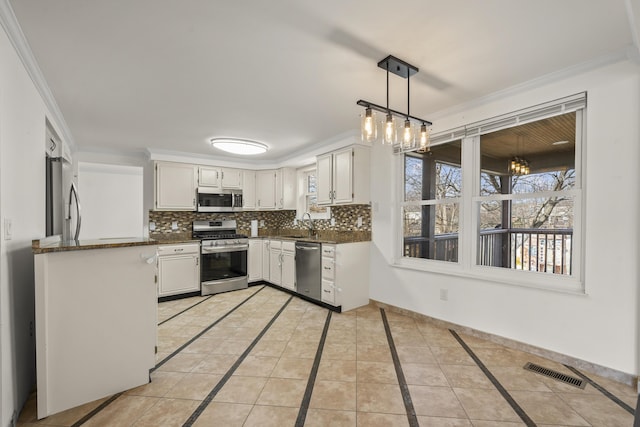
312 232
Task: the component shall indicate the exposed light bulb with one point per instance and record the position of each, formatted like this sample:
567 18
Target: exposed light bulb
407 134
424 138
369 131
390 130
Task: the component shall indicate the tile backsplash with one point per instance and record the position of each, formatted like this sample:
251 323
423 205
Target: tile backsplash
345 217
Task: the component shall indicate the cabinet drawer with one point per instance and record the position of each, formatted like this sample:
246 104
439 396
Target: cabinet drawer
328 292
328 268
275 244
164 250
328 251
288 246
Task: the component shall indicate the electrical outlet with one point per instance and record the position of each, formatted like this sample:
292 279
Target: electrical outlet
333 222
295 221
444 294
152 226
174 225
359 221
262 223
8 229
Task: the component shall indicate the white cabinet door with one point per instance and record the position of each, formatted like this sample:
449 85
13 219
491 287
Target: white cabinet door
179 274
286 185
175 186
266 259
343 176
275 266
231 178
266 189
248 189
324 176
208 177
255 260
288 270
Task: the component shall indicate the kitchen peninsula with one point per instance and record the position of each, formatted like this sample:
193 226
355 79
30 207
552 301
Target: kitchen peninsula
95 319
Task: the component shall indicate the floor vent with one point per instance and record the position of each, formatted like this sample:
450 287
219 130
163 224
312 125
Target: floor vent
559 376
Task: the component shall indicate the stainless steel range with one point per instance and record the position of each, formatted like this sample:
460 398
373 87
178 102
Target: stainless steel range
223 256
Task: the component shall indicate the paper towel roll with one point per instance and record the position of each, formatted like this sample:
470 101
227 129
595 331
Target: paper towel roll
254 227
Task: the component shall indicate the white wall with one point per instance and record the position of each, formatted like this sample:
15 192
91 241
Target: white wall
22 200
111 197
600 327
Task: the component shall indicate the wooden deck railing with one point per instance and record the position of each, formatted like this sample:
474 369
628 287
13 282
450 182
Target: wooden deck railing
546 250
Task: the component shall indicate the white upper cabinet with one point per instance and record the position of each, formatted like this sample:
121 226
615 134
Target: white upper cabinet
208 176
231 178
286 188
266 189
343 176
249 189
223 178
175 186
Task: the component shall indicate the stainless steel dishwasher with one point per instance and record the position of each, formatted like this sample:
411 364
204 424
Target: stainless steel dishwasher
309 269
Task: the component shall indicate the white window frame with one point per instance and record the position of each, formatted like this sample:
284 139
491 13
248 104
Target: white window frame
469 219
303 195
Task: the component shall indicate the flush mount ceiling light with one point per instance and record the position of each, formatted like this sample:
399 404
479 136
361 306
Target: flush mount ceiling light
244 147
402 136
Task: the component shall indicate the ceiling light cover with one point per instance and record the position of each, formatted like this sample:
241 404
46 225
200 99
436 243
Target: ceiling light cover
244 147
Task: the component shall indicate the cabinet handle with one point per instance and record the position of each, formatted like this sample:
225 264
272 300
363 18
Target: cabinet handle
326 291
222 173
327 268
217 174
197 262
178 250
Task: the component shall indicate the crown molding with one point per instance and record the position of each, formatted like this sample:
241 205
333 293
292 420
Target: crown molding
11 26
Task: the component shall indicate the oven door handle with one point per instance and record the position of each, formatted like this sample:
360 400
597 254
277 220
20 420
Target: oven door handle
218 249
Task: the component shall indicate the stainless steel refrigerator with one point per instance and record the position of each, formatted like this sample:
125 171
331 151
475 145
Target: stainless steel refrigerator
60 221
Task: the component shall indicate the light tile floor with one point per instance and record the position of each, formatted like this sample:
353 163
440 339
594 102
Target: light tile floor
356 382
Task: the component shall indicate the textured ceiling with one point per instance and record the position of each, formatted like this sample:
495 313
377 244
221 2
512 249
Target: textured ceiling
168 74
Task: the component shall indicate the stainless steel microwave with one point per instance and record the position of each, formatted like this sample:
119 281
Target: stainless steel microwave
215 200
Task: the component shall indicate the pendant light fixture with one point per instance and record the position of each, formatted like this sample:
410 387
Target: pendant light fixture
407 138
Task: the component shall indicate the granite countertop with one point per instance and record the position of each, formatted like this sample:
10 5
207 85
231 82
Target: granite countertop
173 238
44 246
329 237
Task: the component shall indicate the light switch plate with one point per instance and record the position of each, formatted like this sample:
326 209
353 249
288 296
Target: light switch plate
359 221
152 226
174 225
8 229
333 222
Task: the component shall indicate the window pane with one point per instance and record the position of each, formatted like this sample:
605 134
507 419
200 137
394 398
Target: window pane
431 232
536 236
311 182
433 175
537 156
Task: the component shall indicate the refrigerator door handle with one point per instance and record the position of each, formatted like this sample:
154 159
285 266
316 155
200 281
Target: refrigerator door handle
74 192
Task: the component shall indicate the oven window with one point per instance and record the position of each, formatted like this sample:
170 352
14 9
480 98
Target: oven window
223 265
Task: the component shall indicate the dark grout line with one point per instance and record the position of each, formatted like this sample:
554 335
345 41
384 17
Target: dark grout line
306 400
97 410
404 387
207 400
185 310
115 396
517 408
204 331
602 390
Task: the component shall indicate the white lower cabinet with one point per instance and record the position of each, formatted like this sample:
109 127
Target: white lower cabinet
255 260
275 261
178 269
282 263
288 273
266 258
344 280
